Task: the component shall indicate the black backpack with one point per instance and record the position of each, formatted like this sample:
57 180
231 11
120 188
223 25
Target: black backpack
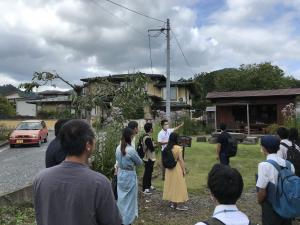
293 155
232 146
140 147
168 159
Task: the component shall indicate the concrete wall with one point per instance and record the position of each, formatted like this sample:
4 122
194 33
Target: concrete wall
25 109
20 196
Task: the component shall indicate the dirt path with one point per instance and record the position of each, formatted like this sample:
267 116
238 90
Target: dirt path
154 211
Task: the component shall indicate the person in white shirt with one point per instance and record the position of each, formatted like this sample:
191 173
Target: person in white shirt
163 138
268 175
226 186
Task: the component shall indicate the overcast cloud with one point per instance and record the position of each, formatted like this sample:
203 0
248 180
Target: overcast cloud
86 38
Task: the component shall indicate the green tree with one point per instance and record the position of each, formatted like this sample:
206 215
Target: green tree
6 109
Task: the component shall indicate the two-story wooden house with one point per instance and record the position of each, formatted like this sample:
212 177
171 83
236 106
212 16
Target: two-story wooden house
181 92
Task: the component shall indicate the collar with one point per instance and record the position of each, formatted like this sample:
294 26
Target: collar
272 156
73 164
223 208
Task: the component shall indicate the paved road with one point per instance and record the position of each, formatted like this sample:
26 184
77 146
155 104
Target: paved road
18 166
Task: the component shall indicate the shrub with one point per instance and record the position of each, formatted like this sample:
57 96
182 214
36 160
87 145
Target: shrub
190 127
272 129
4 132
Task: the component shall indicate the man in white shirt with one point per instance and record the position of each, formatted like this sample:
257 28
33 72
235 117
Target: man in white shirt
163 138
268 175
226 186
285 143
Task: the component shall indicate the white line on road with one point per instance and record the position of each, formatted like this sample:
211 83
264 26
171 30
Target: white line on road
4 148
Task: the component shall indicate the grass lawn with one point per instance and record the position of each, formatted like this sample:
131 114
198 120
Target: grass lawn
153 211
202 156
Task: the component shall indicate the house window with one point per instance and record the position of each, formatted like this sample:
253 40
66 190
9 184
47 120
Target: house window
173 93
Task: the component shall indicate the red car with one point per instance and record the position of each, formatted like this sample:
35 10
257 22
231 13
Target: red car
29 132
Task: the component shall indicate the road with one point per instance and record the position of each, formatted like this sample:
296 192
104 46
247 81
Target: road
18 166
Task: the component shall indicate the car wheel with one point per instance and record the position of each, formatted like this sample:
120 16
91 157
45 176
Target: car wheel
39 144
12 146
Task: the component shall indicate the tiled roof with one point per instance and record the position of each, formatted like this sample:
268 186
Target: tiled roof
255 93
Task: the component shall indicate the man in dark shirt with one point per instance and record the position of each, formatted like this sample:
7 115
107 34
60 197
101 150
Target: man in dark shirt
54 153
149 158
71 193
222 145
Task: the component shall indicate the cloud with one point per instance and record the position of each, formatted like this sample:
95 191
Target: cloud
79 38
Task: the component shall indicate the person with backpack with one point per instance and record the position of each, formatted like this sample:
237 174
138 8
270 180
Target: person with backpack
127 184
149 158
226 146
269 178
175 189
226 186
163 138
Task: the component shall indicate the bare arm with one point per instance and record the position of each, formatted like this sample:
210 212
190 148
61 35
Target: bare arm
181 163
218 150
176 128
261 195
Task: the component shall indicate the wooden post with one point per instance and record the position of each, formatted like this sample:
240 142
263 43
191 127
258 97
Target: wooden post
216 128
248 119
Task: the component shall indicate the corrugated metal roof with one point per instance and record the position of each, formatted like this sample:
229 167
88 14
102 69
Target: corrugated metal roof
255 93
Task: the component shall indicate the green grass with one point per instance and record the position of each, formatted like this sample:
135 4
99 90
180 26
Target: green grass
200 158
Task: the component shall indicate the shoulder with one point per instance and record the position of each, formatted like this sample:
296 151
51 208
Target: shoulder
200 223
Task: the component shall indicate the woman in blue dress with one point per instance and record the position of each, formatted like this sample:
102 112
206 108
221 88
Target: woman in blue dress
127 186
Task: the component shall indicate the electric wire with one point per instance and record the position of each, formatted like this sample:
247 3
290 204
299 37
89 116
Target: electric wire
134 11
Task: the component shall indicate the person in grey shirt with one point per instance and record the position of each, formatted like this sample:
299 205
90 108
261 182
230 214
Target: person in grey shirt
71 193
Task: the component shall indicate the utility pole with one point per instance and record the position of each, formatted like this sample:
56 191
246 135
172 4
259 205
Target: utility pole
168 84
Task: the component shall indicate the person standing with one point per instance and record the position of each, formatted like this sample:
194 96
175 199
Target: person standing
175 189
127 185
71 193
222 145
149 158
163 138
226 187
267 179
54 153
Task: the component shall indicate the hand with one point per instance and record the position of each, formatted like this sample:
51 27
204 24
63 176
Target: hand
183 173
218 158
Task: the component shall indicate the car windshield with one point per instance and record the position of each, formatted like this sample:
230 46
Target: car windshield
29 126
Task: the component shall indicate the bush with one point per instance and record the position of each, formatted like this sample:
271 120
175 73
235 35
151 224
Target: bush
190 127
272 129
66 114
4 132
107 140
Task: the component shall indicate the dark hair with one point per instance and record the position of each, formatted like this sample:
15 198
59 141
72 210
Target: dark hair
58 125
283 133
294 135
132 124
148 127
173 140
271 143
163 122
225 183
74 135
126 139
223 126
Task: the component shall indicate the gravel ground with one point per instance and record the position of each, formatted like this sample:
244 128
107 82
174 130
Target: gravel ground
19 166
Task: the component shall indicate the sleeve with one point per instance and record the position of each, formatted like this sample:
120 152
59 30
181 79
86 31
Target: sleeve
263 179
159 138
107 212
149 144
135 157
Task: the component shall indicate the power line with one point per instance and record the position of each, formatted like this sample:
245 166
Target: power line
131 10
178 44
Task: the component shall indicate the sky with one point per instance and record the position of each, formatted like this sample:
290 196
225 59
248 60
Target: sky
87 38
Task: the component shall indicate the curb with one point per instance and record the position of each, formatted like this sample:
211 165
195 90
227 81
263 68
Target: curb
19 196
3 143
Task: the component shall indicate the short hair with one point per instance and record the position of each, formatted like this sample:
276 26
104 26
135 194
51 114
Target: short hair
58 125
283 133
132 124
271 143
74 135
225 183
148 127
223 126
163 122
294 135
